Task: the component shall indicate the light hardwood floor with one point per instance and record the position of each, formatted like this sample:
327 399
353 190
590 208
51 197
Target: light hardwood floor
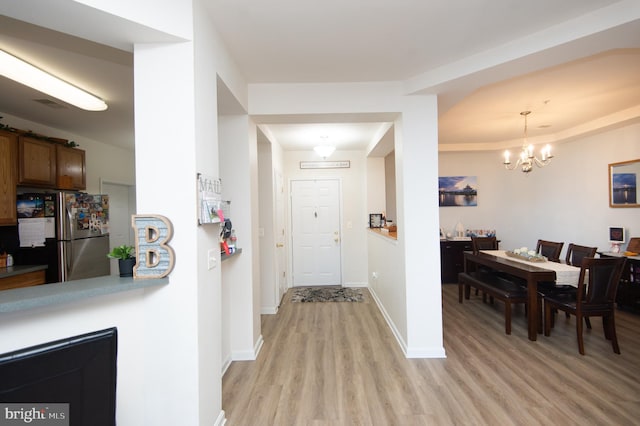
339 364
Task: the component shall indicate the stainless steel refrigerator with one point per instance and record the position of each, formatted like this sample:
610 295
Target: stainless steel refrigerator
73 226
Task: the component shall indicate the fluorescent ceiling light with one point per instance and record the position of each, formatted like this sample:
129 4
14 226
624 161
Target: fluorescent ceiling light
24 73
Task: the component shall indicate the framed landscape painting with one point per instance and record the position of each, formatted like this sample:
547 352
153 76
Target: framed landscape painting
623 185
460 191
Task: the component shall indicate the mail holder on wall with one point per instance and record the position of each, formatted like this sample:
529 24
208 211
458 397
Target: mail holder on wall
212 208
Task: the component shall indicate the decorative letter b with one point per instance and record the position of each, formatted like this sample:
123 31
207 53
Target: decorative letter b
155 256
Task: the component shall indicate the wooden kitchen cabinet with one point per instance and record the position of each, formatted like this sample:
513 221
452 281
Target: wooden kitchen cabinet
50 165
37 162
8 177
70 168
27 279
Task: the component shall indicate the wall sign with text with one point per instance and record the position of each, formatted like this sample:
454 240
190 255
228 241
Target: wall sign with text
325 164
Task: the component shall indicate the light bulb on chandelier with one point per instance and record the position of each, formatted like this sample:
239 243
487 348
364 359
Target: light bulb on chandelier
527 157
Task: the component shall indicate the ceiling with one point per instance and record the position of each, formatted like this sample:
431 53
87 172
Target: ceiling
575 64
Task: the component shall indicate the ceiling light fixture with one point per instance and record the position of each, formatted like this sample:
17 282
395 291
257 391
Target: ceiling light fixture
527 157
24 73
324 150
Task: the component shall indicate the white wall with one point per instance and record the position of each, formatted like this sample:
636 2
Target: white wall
376 185
416 154
238 170
268 302
390 186
564 201
386 283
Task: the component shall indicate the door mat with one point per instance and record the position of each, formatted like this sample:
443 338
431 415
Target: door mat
327 294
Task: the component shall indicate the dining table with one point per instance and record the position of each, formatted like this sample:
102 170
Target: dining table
532 272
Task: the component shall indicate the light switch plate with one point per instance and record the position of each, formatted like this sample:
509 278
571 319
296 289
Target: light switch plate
212 260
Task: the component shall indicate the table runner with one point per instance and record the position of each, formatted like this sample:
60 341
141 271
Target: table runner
565 274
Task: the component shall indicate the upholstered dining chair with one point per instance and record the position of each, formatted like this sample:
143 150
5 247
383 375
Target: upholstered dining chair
549 249
595 297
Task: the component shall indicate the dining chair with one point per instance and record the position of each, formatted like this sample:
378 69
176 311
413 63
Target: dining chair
483 243
549 249
575 254
595 297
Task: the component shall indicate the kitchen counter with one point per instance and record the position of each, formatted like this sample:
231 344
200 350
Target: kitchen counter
22 276
389 234
19 299
11 271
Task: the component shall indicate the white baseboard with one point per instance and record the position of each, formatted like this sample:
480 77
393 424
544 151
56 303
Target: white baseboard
225 366
356 284
426 353
390 323
221 420
438 352
258 346
268 310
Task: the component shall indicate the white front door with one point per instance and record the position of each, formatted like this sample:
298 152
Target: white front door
315 224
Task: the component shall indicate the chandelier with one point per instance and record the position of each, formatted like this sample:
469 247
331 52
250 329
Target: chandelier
527 158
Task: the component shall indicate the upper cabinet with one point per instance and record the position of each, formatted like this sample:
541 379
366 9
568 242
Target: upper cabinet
37 162
50 165
8 177
70 168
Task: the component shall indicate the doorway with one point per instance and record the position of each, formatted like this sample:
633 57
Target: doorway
122 204
281 257
315 238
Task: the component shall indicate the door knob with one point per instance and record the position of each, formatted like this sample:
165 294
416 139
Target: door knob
336 236
279 245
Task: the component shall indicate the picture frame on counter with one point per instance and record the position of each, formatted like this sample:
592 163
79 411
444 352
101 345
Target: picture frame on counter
375 220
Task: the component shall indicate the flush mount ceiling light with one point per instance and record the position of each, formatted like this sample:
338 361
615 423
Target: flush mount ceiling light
527 158
324 150
24 73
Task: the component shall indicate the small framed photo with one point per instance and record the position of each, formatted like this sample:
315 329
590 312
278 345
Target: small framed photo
375 220
616 235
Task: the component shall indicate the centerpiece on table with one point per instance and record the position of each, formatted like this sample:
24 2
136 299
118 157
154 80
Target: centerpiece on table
524 253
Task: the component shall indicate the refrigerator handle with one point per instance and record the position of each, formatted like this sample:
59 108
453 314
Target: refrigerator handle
66 255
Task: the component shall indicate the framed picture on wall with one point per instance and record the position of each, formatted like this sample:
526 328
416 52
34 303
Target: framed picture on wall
623 184
458 191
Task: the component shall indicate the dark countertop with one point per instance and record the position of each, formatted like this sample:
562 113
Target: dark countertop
19 299
11 271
